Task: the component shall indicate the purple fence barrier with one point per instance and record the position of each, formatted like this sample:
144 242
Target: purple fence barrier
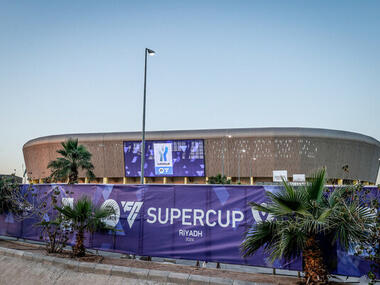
198 222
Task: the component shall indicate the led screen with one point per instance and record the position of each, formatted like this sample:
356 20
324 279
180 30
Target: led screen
165 158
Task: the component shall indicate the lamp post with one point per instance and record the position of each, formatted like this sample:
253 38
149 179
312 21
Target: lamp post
252 166
223 150
223 161
150 52
242 151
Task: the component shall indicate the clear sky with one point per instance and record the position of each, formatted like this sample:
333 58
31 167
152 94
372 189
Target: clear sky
77 66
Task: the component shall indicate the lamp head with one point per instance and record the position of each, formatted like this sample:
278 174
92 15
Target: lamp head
150 52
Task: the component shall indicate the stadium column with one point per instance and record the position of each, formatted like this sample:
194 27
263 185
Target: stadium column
185 180
86 180
206 179
40 181
356 182
105 180
366 183
124 180
164 180
340 181
251 180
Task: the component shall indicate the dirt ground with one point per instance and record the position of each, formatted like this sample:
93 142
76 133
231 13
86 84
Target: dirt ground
261 278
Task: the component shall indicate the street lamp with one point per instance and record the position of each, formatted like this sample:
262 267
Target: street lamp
223 150
252 166
242 151
150 52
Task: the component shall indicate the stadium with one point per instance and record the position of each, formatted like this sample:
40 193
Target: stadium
246 156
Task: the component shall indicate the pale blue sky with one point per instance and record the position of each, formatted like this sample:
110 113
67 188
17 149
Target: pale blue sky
77 66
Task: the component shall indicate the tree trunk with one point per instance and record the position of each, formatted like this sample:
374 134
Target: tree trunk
79 250
73 177
315 270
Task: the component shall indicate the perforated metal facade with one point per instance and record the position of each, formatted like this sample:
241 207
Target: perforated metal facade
238 153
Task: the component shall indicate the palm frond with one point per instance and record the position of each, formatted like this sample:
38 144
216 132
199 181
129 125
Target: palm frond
353 224
317 185
325 214
336 196
262 234
291 244
261 208
287 202
314 227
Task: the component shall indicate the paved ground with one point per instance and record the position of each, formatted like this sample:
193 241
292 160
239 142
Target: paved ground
21 263
210 265
14 271
27 263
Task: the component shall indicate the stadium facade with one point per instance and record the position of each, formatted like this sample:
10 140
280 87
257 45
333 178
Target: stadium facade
246 155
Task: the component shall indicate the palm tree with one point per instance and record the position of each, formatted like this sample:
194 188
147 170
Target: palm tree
85 217
74 157
302 217
219 179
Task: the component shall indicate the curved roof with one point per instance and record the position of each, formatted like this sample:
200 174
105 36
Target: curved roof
210 133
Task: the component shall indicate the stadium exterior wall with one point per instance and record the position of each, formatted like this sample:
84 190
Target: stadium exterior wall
297 150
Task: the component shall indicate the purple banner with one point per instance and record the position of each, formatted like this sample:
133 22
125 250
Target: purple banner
198 222
165 158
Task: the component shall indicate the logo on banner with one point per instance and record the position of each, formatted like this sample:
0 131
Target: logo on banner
133 208
261 216
112 220
163 161
68 202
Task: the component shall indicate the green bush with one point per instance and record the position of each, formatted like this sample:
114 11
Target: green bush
219 179
85 217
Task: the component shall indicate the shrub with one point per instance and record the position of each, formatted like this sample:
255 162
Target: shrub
85 217
302 217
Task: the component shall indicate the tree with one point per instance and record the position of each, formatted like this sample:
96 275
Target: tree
305 215
85 217
74 157
30 203
219 179
25 203
370 250
8 187
54 230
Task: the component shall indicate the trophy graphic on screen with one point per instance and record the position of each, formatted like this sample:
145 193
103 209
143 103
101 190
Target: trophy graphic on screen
163 153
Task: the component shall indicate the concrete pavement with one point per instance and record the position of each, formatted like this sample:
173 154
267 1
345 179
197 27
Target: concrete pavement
21 267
